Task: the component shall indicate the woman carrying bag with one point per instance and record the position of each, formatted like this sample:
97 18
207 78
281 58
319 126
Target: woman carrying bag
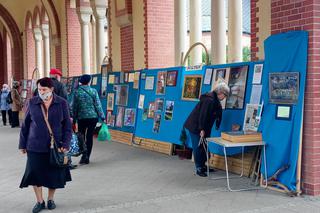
35 141
87 110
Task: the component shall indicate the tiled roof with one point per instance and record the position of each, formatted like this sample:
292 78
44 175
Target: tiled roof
206 15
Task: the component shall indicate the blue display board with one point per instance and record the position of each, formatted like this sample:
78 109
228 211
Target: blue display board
120 81
284 53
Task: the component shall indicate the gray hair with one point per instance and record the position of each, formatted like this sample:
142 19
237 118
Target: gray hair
222 87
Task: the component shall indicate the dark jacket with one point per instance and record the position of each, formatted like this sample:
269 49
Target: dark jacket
59 89
205 113
34 134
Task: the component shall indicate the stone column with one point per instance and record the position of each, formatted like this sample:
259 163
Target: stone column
84 16
180 10
195 31
38 40
218 32
100 16
46 49
93 46
235 31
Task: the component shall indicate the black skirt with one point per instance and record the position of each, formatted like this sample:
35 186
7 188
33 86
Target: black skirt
39 172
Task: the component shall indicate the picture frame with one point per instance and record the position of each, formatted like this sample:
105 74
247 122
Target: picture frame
191 87
119 118
104 81
143 76
149 84
283 112
110 101
129 117
159 102
208 76
220 73
122 95
237 83
151 110
257 73
252 117
172 78
161 83
284 87
168 116
156 123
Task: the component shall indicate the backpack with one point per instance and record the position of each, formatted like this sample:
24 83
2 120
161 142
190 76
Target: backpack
9 98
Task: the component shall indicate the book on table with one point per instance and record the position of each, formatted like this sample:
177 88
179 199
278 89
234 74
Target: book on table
241 136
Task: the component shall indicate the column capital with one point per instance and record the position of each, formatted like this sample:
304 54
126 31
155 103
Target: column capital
45 31
84 14
99 13
37 34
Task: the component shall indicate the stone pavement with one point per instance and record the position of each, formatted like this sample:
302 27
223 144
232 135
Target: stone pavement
127 179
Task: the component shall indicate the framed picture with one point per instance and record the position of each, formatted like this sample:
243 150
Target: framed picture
122 95
143 76
161 83
120 114
104 85
191 87
145 114
220 73
111 79
169 110
237 83
283 112
151 110
156 123
141 101
149 83
207 76
252 117
159 104
172 78
110 118
126 77
110 101
257 73
94 80
129 117
284 87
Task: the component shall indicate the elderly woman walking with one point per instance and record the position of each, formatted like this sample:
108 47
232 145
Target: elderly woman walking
16 104
200 122
35 141
5 104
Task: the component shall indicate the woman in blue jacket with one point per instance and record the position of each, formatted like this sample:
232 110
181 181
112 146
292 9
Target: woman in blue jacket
4 105
35 141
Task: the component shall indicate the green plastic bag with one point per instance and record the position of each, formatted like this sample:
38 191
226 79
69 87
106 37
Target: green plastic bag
104 134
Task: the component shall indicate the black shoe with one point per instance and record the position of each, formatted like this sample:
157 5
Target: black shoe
201 173
72 166
51 205
210 169
38 207
84 161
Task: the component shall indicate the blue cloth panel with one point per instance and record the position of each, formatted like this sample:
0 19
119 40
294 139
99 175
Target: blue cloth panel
286 52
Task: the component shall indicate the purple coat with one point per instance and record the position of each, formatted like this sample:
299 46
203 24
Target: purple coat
34 134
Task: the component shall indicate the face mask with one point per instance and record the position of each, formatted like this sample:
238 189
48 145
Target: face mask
45 96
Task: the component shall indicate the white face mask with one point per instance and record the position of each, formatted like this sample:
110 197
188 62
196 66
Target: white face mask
46 96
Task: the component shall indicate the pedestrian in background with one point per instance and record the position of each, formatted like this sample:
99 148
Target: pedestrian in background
87 110
200 122
35 141
16 104
5 104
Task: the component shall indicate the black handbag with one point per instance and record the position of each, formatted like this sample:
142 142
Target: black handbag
57 158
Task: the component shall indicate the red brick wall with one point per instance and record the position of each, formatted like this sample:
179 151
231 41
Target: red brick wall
30 53
254 30
9 60
58 53
304 15
127 57
73 41
1 62
159 33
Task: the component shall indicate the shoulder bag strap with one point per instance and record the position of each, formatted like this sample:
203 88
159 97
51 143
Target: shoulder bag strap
52 142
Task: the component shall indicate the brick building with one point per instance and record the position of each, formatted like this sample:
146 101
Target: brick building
71 35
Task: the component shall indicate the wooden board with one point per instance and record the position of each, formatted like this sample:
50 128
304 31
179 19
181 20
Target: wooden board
153 145
241 138
234 163
121 137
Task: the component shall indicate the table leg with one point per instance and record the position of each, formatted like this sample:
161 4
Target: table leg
242 162
265 166
226 164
